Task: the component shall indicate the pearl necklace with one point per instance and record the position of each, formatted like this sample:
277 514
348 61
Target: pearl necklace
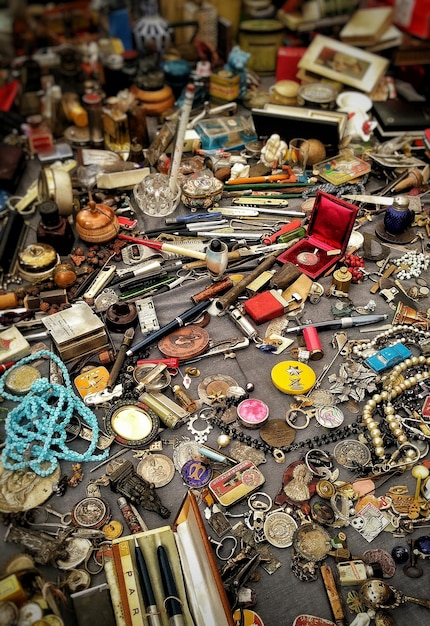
364 349
393 385
36 428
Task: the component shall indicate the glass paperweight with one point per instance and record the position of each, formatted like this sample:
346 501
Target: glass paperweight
155 197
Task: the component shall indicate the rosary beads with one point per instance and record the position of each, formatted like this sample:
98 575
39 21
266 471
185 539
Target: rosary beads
36 427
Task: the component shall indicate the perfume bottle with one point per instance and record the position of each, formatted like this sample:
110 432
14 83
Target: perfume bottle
398 217
53 229
184 399
115 127
74 110
93 105
58 121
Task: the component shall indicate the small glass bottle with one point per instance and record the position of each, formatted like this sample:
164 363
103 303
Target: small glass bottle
115 128
114 78
398 217
93 105
74 110
137 123
184 399
53 229
58 120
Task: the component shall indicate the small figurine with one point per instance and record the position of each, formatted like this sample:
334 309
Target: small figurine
124 480
77 477
274 152
236 63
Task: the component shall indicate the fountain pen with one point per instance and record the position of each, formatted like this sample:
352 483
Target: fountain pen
172 601
343 322
152 612
178 322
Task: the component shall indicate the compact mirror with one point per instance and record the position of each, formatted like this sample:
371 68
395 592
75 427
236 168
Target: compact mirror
132 424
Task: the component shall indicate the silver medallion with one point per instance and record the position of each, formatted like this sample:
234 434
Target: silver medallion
91 513
157 469
351 453
241 452
183 452
321 397
279 528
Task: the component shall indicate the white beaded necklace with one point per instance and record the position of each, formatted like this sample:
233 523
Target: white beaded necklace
364 349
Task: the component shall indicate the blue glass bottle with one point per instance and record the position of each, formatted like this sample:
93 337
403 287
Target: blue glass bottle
398 217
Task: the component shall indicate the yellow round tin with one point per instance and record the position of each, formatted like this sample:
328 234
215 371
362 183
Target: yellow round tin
293 377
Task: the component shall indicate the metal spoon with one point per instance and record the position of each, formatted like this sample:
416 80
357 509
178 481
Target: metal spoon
377 594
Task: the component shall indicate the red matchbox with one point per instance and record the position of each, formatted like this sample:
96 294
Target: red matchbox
327 235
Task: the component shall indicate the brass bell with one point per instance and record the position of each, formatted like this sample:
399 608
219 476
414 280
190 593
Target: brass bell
97 223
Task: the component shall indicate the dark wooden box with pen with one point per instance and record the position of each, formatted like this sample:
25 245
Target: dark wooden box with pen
199 587
330 226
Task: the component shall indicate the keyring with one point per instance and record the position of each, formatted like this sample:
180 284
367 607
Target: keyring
322 461
220 545
292 413
258 505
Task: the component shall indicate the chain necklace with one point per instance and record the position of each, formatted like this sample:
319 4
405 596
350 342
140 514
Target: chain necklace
279 453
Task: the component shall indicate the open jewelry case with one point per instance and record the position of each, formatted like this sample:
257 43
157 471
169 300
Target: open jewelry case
330 226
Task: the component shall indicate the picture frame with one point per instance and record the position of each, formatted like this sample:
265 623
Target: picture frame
341 62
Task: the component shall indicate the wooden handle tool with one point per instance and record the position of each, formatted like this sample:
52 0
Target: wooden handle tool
333 595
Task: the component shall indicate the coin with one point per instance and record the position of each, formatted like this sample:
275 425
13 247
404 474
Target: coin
279 528
214 388
23 489
185 343
277 433
157 469
312 541
91 513
183 452
113 529
351 453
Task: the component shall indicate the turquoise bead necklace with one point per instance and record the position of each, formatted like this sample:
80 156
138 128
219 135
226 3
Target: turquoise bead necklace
36 428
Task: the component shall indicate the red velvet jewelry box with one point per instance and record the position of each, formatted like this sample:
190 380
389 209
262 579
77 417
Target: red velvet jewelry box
326 238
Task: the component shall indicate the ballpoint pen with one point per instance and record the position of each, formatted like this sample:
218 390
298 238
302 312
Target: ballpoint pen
193 217
177 322
172 602
148 596
344 322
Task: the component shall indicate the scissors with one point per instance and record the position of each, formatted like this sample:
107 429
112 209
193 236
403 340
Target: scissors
39 516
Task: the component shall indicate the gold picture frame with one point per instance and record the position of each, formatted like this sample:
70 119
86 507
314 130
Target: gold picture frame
341 62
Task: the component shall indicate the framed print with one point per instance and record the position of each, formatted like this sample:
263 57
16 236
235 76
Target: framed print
340 62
